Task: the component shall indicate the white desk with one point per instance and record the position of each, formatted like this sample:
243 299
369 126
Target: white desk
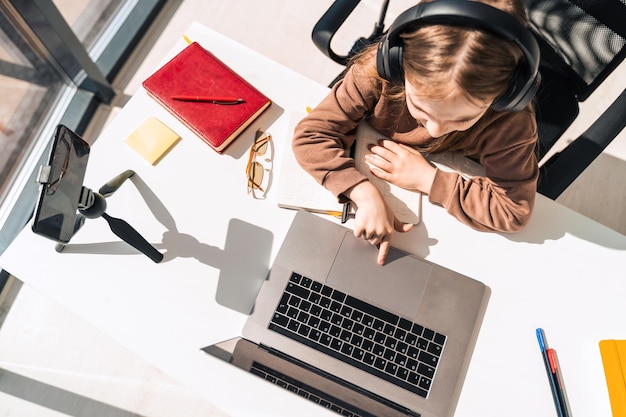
564 272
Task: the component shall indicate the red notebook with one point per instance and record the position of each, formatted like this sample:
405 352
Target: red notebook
197 72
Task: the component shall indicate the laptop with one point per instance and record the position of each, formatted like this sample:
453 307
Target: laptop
332 326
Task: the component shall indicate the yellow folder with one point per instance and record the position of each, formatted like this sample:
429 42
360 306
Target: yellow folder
152 140
613 354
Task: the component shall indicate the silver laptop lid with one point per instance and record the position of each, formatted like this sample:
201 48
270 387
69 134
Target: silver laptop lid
418 291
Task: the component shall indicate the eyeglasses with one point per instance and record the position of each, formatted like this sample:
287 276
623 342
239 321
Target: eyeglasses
255 171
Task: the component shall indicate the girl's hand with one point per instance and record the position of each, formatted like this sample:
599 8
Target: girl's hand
401 165
374 220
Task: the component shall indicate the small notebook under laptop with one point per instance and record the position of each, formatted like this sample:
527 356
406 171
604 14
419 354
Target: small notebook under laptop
361 339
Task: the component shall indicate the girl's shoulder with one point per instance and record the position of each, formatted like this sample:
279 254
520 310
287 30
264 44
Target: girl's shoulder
520 125
363 68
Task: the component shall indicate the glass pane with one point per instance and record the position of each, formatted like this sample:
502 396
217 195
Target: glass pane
89 18
29 86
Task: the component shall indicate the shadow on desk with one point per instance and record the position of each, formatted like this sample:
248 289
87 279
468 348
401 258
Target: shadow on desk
551 221
56 399
243 263
417 241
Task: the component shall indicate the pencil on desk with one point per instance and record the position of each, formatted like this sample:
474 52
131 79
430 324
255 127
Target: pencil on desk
337 214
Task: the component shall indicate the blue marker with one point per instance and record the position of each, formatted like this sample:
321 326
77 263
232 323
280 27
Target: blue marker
552 370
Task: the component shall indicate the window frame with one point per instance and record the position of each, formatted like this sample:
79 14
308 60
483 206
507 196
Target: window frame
89 86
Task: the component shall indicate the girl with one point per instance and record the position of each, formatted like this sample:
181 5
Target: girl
452 76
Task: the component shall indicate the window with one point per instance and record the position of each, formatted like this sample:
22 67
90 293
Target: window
57 58
88 19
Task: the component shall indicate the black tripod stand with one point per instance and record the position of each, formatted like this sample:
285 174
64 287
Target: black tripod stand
92 205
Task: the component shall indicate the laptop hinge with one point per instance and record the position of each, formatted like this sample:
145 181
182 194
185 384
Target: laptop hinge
339 381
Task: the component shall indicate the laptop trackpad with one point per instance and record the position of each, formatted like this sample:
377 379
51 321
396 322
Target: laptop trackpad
397 286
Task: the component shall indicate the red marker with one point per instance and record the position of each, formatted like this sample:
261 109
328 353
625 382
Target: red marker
552 360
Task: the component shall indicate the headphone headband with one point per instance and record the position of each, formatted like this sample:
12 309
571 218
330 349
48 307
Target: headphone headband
525 81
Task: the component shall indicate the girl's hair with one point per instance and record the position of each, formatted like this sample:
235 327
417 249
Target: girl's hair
479 64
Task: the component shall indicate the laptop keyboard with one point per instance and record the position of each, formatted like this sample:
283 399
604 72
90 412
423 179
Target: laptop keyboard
358 333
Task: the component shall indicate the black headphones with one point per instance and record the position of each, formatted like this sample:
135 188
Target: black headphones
525 80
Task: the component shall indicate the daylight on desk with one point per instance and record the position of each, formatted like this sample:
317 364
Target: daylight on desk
142 267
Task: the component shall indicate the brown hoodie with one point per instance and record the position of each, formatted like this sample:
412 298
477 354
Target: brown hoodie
502 142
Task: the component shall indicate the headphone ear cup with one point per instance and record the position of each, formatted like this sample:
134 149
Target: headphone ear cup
394 64
381 59
508 99
519 93
389 62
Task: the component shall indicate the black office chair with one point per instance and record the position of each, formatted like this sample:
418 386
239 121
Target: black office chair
581 42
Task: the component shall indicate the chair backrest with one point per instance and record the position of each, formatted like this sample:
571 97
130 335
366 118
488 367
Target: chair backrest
581 42
330 22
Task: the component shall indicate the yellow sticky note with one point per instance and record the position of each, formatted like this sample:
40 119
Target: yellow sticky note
613 354
152 140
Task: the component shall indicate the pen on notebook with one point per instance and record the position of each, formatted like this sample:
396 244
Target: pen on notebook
554 375
208 99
